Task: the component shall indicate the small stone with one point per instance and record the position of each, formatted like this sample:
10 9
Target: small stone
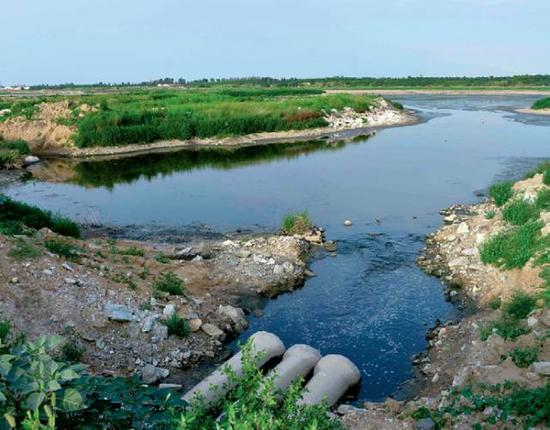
171 386
424 424
71 281
213 331
243 253
147 324
30 160
463 228
168 311
151 374
14 280
47 272
348 223
235 315
119 313
67 267
278 269
195 324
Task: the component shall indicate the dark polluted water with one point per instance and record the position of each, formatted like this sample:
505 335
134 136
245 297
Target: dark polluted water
370 302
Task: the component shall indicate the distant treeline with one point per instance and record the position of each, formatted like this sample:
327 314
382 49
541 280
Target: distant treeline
335 82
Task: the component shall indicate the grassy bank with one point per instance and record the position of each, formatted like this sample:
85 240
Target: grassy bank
11 151
140 116
541 104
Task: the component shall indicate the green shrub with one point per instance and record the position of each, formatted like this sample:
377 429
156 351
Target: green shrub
63 249
169 283
490 214
33 217
520 305
19 146
519 211
501 192
495 303
542 104
177 326
513 248
24 249
132 250
162 258
296 223
524 357
71 352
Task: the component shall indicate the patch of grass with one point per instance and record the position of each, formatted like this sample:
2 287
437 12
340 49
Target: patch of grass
524 357
541 168
520 305
132 251
296 223
169 283
162 258
519 211
19 146
177 326
501 192
512 248
490 214
506 327
8 157
36 218
508 403
24 249
63 249
495 303
71 352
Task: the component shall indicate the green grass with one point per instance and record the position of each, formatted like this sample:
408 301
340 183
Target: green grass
510 324
520 305
162 258
524 357
139 116
542 104
490 214
23 250
12 211
541 168
169 283
177 326
519 211
63 249
12 150
131 250
296 223
501 192
512 248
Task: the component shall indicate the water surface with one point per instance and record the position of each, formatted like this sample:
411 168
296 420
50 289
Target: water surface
370 302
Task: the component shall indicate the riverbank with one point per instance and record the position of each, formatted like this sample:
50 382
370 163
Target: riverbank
503 344
435 91
51 133
534 111
120 303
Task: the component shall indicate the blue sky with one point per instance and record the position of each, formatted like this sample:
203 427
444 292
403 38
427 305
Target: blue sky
83 41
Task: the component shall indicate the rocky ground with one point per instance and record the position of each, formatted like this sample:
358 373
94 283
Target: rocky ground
458 358
104 301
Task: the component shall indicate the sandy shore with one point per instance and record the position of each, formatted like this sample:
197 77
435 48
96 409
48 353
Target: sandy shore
442 92
256 139
534 111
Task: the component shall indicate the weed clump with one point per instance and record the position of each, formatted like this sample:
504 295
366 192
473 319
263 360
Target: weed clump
24 249
512 248
296 223
519 211
169 283
524 357
177 326
63 249
501 192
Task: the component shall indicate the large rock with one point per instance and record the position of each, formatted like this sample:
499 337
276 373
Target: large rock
424 424
118 312
542 368
235 316
213 331
30 160
151 374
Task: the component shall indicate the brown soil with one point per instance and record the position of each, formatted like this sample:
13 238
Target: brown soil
48 294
